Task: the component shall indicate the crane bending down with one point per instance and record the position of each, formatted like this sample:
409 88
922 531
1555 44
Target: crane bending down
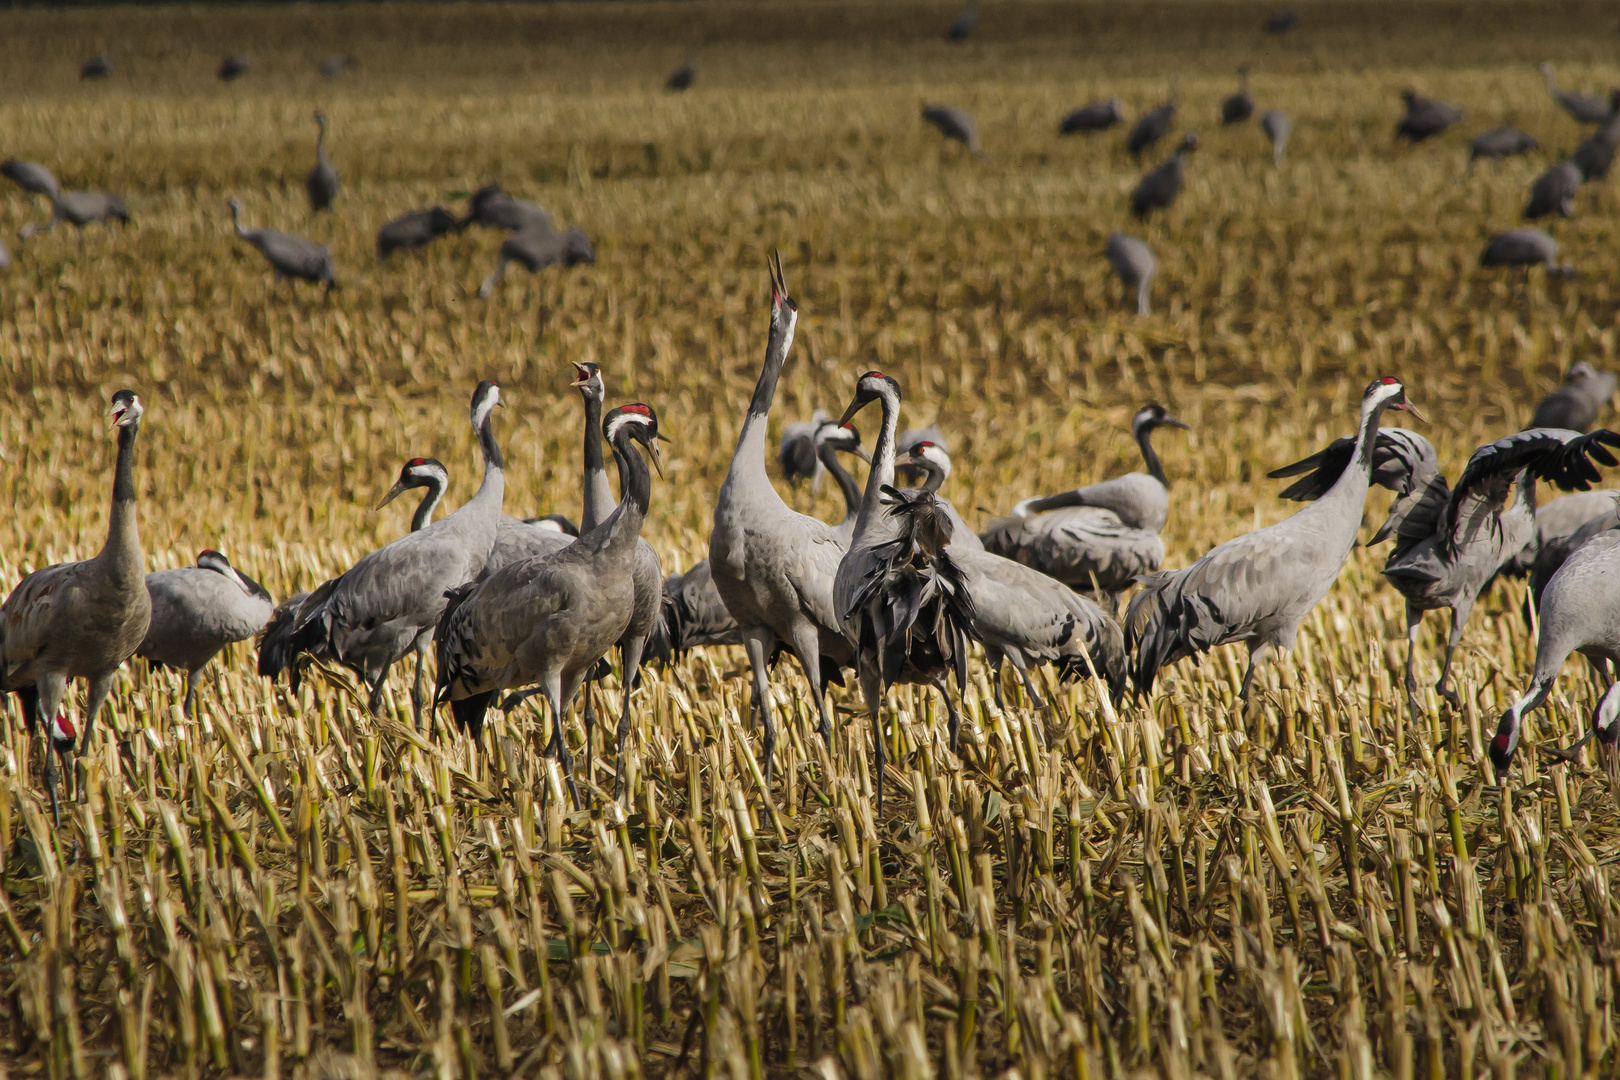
389 602
79 620
197 611
1576 404
550 619
278 650
1257 588
1449 544
289 256
774 568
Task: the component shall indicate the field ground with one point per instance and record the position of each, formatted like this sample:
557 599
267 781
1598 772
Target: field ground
288 886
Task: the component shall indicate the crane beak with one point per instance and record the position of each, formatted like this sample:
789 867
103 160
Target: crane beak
653 454
863 455
854 407
1171 421
1407 406
581 375
393 493
117 414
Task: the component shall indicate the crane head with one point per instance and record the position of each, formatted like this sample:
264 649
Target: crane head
62 733
126 409
1606 717
588 378
1154 415
840 437
639 422
417 472
872 386
931 457
1506 740
1388 392
779 290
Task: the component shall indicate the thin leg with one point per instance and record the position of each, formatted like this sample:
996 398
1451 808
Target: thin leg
590 731
1414 618
416 686
1258 654
559 746
806 645
99 689
1035 699
1459 619
518 697
632 665
950 710
872 690
759 642
191 692
51 689
995 683
374 699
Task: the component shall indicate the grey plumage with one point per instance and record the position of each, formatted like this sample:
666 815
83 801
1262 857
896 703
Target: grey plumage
933 462
796 453
334 66
1093 116
772 567
79 620
1526 248
1554 192
79 208
1152 125
5 257
322 182
964 24
550 619
1134 264
289 256
1451 543
1158 189
1580 612
1578 403
683 77
1562 527
1582 108
535 247
954 123
1425 117
279 648
1240 105
197 611
1102 536
909 439
1257 588
31 177
516 540
1499 143
1278 126
414 230
493 208
233 67
1595 155
97 67
389 602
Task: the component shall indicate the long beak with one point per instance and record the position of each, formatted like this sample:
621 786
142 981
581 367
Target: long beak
849 414
1171 421
581 376
117 414
655 456
862 454
393 493
1413 409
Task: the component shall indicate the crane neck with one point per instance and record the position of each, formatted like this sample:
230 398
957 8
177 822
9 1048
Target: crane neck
933 476
750 453
429 503
493 488
236 219
1150 458
622 528
847 486
598 495
882 473
123 547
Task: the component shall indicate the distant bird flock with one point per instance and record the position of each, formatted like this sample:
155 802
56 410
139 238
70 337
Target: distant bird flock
900 590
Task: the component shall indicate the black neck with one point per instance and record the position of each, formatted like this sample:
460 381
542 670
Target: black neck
593 436
933 479
775 358
1144 439
486 440
1367 439
124 476
425 508
846 483
635 480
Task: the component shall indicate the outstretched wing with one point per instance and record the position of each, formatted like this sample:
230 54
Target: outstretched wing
1567 459
1403 461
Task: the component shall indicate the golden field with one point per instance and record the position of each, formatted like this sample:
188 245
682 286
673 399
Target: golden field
1325 887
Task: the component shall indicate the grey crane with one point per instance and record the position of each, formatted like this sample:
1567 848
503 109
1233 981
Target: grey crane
97 67
1582 108
796 454
1158 189
1021 615
80 620
550 620
1595 155
955 123
773 567
1562 535
901 597
1576 404
1425 117
964 24
31 177
1526 248
1580 612
5 257
1280 22
388 603
233 67
682 77
414 230
1499 143
197 611
1093 116
1134 263
79 208
322 181
1102 536
1278 126
1554 192
290 257
535 247
910 438
1605 728
334 66
278 649
1239 106
1450 543
1257 588
697 616
493 208
1152 125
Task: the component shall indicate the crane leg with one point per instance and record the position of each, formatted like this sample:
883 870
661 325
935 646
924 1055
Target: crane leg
950 710
416 685
872 690
632 666
1459 619
99 689
487 289
590 731
559 746
1414 618
758 643
1258 654
191 692
806 644
1035 699
51 688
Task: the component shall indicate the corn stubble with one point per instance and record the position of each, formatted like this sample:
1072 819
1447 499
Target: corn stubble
290 887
